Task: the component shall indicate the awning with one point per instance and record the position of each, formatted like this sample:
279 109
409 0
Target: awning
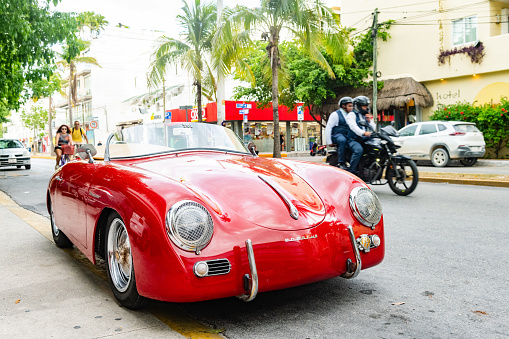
395 93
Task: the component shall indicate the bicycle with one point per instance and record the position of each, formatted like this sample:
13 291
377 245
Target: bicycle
67 151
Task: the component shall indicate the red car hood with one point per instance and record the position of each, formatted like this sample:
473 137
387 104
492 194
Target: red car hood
231 184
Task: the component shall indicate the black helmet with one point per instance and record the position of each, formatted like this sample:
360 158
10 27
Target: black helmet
360 101
345 101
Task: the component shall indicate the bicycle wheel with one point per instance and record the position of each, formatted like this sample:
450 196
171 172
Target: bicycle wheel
402 176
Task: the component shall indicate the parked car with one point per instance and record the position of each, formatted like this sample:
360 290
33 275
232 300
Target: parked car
13 153
441 141
184 212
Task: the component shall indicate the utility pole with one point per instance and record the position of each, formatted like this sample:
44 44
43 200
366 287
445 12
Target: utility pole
220 94
374 35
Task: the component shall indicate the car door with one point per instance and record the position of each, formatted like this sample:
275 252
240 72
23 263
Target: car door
74 184
407 138
425 138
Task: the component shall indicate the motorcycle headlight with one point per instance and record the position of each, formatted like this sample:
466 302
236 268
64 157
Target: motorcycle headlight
189 225
365 206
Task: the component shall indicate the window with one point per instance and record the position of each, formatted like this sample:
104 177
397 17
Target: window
428 129
441 127
408 131
464 30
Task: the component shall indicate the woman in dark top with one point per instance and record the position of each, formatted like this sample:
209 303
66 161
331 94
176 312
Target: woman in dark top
62 138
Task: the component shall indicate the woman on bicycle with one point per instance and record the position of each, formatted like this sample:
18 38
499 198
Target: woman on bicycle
62 138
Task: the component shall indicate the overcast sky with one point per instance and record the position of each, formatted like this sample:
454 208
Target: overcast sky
145 14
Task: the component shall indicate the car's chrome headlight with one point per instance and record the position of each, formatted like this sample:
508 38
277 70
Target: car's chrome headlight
365 206
189 225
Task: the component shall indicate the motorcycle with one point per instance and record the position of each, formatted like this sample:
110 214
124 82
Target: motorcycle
320 150
380 157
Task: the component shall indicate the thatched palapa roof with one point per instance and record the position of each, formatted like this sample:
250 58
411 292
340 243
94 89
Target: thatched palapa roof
395 93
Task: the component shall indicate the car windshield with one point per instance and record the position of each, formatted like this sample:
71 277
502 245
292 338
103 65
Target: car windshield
10 144
464 128
143 140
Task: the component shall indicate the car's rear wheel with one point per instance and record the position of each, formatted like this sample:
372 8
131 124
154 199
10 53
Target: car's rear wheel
119 262
440 157
467 162
59 237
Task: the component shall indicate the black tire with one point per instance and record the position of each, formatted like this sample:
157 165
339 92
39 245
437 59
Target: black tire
323 152
467 162
312 153
408 177
440 157
59 237
119 264
28 167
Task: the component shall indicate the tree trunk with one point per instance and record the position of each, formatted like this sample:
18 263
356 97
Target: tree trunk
71 71
198 99
50 129
275 102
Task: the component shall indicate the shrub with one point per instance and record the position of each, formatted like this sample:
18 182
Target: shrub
492 121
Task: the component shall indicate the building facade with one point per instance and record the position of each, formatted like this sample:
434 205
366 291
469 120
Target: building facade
457 49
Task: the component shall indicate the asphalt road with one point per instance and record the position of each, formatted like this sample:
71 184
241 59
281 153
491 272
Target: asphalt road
444 274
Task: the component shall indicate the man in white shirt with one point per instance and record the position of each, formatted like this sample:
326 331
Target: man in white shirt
358 132
336 130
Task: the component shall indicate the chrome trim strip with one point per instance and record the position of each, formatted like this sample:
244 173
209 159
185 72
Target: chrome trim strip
294 212
107 149
254 274
350 275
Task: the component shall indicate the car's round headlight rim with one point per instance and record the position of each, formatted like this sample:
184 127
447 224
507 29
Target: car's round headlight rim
358 206
189 237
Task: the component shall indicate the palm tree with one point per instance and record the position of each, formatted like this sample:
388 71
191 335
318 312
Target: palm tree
198 24
70 65
309 21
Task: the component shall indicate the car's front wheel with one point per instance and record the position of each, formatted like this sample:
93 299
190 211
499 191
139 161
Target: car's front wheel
467 162
119 262
440 157
28 167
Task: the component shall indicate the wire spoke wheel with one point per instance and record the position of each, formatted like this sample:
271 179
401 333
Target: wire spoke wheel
119 255
403 176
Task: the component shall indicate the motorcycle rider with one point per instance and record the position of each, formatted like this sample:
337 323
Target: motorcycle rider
336 130
358 133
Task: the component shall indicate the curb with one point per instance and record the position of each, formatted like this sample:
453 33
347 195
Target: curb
476 182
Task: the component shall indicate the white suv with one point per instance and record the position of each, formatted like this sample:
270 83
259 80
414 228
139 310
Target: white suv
441 141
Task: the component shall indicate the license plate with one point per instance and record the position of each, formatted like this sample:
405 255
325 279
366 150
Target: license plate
475 149
12 161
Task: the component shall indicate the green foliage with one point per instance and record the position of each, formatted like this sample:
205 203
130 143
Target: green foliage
304 80
492 121
29 30
35 119
4 111
198 24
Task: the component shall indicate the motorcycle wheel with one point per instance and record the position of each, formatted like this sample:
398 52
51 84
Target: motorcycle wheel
312 153
403 177
323 152
467 162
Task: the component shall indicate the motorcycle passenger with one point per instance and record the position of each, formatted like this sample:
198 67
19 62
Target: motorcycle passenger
358 133
336 130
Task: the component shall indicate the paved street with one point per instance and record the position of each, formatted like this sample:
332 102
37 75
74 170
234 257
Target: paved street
444 276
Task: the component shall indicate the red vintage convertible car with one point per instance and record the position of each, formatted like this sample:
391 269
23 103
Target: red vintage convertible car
185 212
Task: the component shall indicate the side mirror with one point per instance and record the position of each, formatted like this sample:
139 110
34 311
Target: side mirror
87 151
252 148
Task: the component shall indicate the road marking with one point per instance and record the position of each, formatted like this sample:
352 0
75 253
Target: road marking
170 314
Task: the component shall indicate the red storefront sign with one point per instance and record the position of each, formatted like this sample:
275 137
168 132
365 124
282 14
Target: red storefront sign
232 113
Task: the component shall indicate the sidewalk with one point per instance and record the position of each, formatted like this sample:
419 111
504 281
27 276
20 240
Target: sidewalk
45 293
